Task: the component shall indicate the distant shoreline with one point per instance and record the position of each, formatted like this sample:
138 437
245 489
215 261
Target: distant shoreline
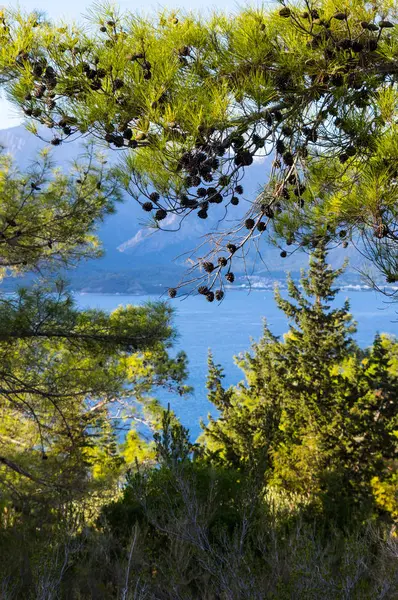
242 288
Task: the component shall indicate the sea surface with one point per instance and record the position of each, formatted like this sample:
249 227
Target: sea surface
227 329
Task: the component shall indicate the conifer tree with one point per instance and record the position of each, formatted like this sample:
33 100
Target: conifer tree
311 83
48 218
69 381
63 371
316 413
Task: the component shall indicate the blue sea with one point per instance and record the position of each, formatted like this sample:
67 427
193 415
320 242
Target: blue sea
227 329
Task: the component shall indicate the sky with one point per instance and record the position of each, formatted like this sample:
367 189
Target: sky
70 10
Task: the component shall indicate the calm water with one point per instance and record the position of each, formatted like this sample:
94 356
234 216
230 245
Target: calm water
228 328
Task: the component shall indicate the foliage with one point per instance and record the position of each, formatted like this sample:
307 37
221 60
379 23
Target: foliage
313 82
275 500
209 520
69 379
64 372
192 533
317 414
48 218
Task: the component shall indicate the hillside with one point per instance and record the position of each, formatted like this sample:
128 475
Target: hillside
140 260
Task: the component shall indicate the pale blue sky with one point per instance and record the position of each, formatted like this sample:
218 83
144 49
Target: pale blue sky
74 9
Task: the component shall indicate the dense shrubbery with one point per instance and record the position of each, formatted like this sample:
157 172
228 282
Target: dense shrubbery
194 531
290 492
177 532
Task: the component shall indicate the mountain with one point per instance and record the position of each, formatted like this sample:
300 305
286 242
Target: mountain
142 260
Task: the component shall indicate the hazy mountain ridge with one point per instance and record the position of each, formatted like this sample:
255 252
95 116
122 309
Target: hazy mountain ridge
142 260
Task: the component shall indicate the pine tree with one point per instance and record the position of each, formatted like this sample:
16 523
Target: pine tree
317 88
317 413
62 369
48 218
172 443
69 381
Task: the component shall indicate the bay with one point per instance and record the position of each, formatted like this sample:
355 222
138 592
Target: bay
227 329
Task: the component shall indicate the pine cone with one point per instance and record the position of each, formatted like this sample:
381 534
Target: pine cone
208 266
288 159
285 12
216 198
160 214
287 131
261 226
37 71
184 51
280 147
118 141
203 290
268 211
243 159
